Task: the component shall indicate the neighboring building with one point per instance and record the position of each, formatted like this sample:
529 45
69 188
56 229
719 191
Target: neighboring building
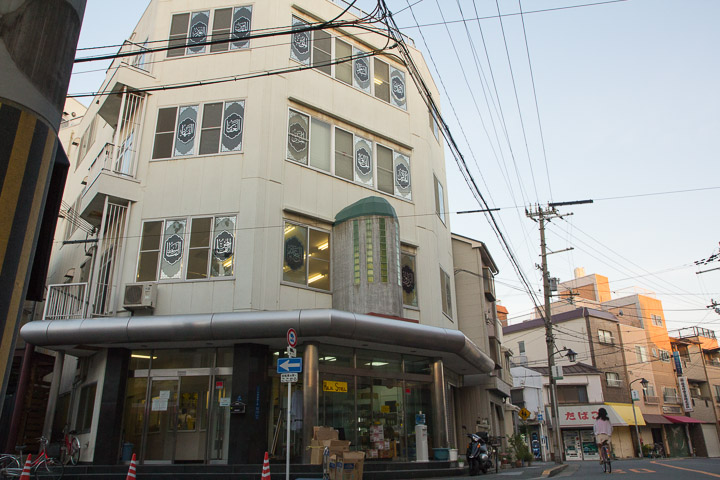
483 402
695 351
528 392
626 338
580 395
211 219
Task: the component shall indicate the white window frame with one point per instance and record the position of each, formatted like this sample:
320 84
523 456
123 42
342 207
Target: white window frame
656 320
355 137
186 248
641 353
665 356
198 130
521 347
439 199
606 337
614 381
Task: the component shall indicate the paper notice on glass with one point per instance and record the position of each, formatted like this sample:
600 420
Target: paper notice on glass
159 405
164 395
225 402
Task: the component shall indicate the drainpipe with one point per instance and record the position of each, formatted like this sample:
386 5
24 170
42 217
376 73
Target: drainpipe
439 418
311 378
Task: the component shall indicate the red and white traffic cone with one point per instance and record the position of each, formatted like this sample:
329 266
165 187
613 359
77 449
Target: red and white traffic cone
131 470
266 468
26 469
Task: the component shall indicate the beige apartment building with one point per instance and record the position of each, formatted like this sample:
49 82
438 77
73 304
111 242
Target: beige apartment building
225 192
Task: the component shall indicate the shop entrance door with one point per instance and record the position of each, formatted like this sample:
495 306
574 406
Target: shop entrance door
161 427
178 412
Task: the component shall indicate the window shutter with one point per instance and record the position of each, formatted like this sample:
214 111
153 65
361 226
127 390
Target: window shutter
178 34
232 126
397 88
401 169
300 45
298 137
198 32
361 71
363 161
241 27
185 131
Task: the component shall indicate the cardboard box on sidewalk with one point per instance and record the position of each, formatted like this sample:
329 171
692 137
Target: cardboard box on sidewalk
326 437
350 466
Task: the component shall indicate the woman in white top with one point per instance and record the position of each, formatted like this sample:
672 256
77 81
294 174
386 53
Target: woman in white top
602 428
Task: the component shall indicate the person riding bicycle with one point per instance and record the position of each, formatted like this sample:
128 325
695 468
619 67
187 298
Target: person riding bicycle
602 430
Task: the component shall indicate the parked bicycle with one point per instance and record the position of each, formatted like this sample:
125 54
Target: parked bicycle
42 467
605 457
70 448
657 451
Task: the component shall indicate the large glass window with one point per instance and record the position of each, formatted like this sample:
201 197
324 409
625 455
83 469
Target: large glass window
343 70
350 156
382 80
210 250
343 154
231 27
221 128
306 258
322 55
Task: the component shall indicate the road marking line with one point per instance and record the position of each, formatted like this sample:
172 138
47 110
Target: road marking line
642 470
619 470
687 469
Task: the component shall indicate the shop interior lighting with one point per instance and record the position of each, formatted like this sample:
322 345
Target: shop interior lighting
316 277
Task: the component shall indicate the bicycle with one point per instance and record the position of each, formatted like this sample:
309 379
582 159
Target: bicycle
43 467
657 451
70 448
605 457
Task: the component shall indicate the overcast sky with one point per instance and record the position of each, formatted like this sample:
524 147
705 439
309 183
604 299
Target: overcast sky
627 97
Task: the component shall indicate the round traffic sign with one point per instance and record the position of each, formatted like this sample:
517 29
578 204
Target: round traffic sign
292 337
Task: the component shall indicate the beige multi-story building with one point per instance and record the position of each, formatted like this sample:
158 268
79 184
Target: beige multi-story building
226 192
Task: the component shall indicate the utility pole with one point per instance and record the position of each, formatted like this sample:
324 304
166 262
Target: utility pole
541 215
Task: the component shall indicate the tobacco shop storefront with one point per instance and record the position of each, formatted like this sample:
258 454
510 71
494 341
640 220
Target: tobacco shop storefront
212 394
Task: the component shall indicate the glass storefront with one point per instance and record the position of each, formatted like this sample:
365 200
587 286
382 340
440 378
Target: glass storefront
177 405
371 398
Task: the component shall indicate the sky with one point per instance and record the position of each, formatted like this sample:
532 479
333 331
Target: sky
616 102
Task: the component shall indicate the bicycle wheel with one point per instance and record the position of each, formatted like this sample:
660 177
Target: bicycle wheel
49 469
75 451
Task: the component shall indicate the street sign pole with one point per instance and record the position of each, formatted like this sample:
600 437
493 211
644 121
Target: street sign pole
292 342
287 443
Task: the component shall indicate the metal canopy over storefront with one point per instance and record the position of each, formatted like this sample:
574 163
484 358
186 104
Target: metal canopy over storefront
625 411
681 419
84 337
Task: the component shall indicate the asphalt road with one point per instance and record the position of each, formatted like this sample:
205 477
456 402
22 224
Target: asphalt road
662 469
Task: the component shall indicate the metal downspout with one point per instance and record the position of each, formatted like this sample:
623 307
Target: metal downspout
311 395
439 416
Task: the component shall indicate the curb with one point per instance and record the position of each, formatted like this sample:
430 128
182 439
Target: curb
552 471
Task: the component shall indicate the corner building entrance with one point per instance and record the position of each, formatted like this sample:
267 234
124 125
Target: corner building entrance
176 407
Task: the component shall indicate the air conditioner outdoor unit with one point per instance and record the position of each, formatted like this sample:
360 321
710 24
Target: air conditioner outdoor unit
140 296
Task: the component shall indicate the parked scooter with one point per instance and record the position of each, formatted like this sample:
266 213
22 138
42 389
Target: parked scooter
478 454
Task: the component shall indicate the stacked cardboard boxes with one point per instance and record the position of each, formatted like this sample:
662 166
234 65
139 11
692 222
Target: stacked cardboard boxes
347 466
326 437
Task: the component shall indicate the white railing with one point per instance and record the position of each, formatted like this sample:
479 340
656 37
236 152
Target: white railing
66 301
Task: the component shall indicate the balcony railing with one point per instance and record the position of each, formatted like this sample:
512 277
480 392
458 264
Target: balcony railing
671 399
651 399
66 301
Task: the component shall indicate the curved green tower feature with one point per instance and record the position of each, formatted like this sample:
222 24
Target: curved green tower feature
366 258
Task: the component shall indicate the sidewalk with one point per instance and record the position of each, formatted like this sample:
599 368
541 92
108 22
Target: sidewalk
535 470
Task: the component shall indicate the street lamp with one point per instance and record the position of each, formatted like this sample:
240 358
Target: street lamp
644 383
